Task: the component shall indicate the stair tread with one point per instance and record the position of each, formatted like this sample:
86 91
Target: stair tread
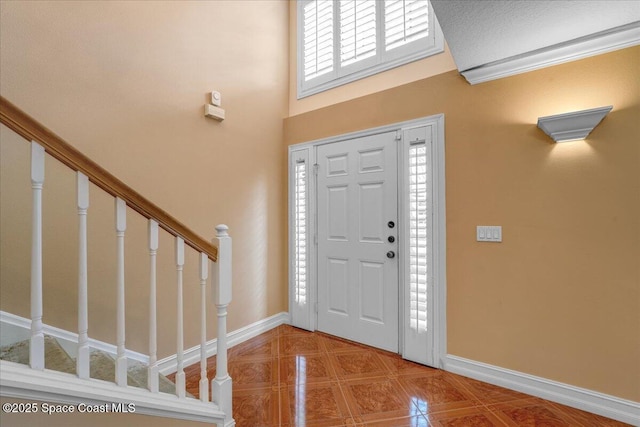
102 365
138 372
55 358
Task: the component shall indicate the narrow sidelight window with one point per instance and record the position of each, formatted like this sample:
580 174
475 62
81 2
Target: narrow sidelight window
418 231
300 238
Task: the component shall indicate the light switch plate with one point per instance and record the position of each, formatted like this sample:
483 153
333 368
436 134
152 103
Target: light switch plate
489 233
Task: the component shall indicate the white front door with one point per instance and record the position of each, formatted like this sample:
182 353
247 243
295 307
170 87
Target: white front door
358 240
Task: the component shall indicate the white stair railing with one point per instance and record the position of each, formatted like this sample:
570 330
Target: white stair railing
82 196
152 370
222 384
36 347
180 380
204 274
16 382
121 227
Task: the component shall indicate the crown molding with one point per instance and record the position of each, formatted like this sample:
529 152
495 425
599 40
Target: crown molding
583 47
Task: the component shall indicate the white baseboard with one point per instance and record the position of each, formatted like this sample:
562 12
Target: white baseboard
587 400
22 322
168 364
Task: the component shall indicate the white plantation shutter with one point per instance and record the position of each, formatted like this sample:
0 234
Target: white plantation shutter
318 38
405 21
357 30
300 248
300 238
344 40
418 235
418 254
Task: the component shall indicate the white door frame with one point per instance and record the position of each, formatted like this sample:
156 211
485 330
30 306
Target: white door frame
305 315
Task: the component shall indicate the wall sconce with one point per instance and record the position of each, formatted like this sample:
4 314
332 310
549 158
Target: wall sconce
572 126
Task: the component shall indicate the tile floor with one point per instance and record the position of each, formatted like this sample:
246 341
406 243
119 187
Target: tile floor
289 377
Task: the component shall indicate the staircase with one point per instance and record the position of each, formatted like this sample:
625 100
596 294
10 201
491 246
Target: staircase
47 368
102 364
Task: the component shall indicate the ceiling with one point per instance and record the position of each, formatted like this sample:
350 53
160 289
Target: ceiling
483 32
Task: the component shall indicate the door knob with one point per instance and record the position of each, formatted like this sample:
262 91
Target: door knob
391 239
391 224
391 254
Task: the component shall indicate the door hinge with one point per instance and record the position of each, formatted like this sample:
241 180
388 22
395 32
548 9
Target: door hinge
399 135
315 169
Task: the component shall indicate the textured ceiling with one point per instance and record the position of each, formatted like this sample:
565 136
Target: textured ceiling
479 32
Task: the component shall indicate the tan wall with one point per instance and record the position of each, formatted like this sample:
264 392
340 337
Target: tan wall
414 71
126 82
77 419
560 296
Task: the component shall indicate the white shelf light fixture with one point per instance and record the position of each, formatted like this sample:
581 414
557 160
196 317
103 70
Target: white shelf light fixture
572 126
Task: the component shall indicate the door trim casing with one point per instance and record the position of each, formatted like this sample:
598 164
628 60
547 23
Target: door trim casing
308 320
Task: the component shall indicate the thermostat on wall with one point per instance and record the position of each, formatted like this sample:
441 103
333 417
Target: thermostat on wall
216 98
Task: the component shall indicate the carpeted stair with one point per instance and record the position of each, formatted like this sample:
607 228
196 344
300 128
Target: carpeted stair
102 365
55 358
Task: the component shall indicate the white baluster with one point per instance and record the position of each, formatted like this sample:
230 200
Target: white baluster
222 384
204 274
152 374
121 226
82 362
36 346
180 379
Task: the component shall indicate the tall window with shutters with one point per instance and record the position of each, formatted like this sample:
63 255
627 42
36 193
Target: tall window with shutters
301 266
418 232
419 246
300 238
340 41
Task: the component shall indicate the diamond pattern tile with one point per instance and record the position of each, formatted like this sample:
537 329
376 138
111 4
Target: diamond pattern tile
320 404
288 377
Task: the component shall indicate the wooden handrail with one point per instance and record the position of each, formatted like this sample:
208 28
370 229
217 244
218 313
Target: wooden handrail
28 128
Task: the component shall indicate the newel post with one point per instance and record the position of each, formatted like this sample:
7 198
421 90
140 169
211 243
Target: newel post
221 384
